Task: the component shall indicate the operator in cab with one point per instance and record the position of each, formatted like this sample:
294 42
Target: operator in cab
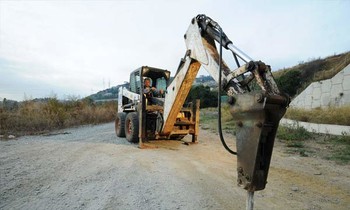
149 90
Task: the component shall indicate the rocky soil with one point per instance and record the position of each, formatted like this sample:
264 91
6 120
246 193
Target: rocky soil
90 168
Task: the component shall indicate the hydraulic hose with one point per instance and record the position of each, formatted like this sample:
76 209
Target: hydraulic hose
219 101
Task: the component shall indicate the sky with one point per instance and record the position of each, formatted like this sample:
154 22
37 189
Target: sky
75 48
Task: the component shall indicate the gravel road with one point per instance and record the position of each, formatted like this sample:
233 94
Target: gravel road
90 168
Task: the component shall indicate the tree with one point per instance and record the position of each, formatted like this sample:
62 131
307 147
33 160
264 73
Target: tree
208 98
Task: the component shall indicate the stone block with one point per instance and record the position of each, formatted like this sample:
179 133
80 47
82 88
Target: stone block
326 86
297 104
338 78
347 70
316 94
316 84
345 99
308 90
316 103
336 90
325 100
298 101
308 101
346 82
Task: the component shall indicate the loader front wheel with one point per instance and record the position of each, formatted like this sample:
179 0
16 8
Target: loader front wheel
132 127
120 124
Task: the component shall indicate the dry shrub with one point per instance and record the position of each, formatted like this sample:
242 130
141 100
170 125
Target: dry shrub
331 115
28 117
33 117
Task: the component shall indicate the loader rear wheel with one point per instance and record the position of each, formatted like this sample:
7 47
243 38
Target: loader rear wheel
120 124
132 127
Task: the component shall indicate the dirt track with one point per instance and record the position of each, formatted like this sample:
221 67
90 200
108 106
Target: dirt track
90 168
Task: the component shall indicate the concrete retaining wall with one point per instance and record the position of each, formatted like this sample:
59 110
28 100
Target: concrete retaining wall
318 128
326 93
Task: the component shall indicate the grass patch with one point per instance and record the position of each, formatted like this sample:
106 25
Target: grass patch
340 149
294 133
296 144
331 115
294 137
209 119
299 141
300 151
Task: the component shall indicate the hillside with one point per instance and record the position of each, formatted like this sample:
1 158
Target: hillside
291 80
295 79
109 93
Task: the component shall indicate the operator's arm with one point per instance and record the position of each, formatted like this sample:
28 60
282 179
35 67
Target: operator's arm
153 91
157 92
147 90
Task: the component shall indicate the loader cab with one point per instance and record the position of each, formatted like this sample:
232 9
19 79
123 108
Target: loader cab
128 100
151 109
159 78
135 114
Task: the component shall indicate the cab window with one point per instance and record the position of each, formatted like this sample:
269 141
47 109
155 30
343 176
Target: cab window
161 83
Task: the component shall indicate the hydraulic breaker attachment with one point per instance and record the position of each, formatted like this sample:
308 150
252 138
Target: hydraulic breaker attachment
257 118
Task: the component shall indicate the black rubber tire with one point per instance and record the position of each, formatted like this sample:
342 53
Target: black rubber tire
120 124
132 127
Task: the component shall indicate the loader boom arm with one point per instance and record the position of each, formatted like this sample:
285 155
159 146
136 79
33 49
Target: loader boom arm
256 113
201 51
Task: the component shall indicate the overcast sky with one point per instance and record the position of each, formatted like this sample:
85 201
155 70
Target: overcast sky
75 48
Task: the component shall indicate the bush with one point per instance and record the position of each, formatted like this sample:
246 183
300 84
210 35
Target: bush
289 82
